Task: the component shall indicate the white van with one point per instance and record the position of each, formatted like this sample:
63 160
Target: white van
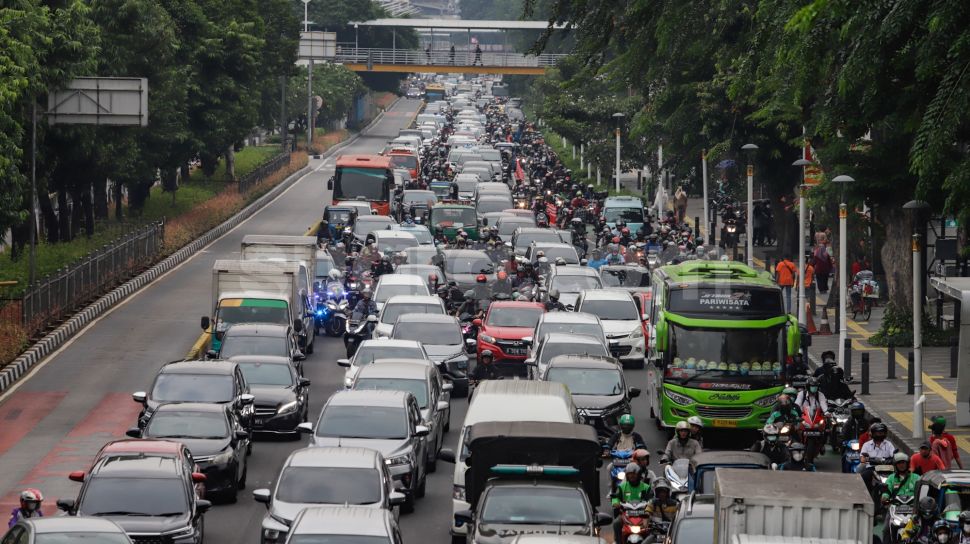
508 400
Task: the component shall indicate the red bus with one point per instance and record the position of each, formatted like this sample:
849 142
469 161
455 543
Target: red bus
405 158
368 178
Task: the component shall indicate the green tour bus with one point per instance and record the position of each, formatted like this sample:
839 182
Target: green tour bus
720 343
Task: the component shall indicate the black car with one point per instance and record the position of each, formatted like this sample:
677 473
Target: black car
597 386
463 267
282 395
151 497
218 382
631 277
260 339
215 437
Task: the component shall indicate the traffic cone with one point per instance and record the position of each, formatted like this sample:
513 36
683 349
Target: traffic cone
809 319
825 329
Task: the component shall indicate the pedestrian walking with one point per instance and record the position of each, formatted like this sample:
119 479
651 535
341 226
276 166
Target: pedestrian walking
427 53
785 273
680 203
823 263
943 443
478 55
451 54
809 282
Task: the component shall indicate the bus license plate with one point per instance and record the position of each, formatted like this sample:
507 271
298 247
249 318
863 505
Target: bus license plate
725 423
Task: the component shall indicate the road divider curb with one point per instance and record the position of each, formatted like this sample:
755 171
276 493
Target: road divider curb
56 338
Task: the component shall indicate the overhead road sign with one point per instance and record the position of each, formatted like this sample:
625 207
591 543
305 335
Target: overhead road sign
458 24
100 101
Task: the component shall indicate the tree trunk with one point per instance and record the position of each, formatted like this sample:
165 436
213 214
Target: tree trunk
186 171
48 216
230 163
77 213
64 216
119 209
100 203
897 255
170 181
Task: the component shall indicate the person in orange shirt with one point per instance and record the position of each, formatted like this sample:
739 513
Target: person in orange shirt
809 281
924 460
785 274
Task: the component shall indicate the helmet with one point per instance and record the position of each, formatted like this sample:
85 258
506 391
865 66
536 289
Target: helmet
554 295
334 274
641 454
797 451
770 432
30 499
878 428
796 446
900 457
616 239
857 409
502 276
625 231
661 483
941 525
790 391
487 353
627 422
386 259
694 420
965 521
927 507
810 383
367 293
482 278
632 468
681 426
540 254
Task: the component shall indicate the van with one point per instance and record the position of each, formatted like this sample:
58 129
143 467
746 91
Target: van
507 400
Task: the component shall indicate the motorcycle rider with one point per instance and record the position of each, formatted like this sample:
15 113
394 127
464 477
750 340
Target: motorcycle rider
831 378
696 426
381 267
662 508
626 438
811 399
503 284
633 490
770 445
797 462
943 533
369 256
475 296
552 303
879 446
785 411
614 256
681 446
30 502
485 367
920 526
964 536
857 424
642 458
902 482
365 306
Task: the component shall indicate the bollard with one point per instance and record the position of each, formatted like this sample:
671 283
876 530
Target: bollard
847 363
697 228
954 356
910 376
865 373
891 361
710 233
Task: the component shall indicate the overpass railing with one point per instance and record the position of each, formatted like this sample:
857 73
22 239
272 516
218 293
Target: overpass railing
349 54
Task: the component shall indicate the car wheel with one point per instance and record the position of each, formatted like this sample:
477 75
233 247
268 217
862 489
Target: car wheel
459 539
200 531
432 464
249 446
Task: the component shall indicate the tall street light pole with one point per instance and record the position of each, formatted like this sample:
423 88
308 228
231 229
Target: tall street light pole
917 209
619 119
707 216
802 193
843 180
750 150
309 83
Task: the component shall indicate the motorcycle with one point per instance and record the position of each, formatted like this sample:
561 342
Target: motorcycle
813 433
620 459
356 332
636 526
676 475
331 311
898 514
838 416
850 456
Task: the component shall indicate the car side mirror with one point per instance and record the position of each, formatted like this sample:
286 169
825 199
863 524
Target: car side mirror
304 382
421 430
198 477
299 356
447 387
634 392
464 516
330 184
447 455
471 342
442 405
306 427
246 399
298 325
603 519
67 505
133 432
242 435
396 498
343 362
76 476
262 495
139 396
477 322
202 506
205 323
530 362
372 319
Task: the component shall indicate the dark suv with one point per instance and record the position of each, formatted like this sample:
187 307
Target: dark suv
146 489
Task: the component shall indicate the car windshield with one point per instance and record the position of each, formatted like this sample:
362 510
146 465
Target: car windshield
694 530
535 505
420 270
243 312
493 205
81 538
467 185
368 353
329 485
555 349
422 197
338 539
253 345
513 317
171 424
725 355
575 284
587 381
338 217
421 234
377 422
267 373
589 329
420 255
628 215
507 226
545 236
385 291
625 277
611 309
171 387
392 311
474 264
418 388
453 217
428 333
366 225
105 496
568 254
388 244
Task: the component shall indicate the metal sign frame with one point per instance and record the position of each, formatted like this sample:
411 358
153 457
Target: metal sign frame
317 45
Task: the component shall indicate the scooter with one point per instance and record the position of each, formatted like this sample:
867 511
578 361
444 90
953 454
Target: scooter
850 456
676 475
617 468
898 514
358 331
636 526
838 416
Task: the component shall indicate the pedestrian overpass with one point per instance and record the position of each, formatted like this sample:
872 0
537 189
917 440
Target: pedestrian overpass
445 56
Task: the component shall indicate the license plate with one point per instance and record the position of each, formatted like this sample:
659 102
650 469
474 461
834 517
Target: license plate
725 423
259 422
516 351
813 433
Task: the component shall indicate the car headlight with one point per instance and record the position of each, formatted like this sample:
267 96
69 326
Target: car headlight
486 338
398 461
458 492
348 382
637 333
767 401
180 533
682 400
288 407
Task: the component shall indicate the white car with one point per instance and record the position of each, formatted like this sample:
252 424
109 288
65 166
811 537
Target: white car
574 323
384 348
621 321
390 285
405 304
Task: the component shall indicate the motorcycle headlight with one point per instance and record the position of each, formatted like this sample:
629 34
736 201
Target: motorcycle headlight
288 407
682 400
621 476
398 461
635 529
767 401
855 446
487 338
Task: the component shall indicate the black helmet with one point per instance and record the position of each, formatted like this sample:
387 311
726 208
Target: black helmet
857 409
796 446
487 353
878 430
927 507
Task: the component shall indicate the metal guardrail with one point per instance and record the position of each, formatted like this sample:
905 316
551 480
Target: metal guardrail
254 178
65 291
348 54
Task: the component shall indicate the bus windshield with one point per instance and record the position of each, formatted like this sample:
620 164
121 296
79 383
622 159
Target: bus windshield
405 161
702 356
365 183
629 215
453 217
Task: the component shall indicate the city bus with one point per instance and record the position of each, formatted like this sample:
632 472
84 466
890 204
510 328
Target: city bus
720 344
434 92
368 178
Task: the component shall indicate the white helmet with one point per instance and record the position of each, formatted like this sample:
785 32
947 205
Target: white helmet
335 274
682 425
694 420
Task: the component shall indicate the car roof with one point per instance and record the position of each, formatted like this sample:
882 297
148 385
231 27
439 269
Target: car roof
606 294
368 398
199 367
390 342
570 338
400 279
73 524
136 466
575 270
142 445
207 407
583 361
622 199
334 457
393 369
263 359
393 233
343 520
464 253
568 317
413 299
552 245
515 304
259 329
427 318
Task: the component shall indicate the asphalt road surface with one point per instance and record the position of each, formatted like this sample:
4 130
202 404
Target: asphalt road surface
80 398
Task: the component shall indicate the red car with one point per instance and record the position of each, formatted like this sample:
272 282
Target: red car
149 448
504 327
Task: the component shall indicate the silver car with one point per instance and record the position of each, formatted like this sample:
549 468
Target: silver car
383 348
65 530
315 476
386 421
345 524
443 341
399 305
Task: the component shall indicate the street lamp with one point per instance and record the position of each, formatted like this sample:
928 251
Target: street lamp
619 119
843 180
802 192
306 13
917 209
356 41
309 83
750 150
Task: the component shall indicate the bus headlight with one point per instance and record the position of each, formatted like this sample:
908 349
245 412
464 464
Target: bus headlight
682 400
